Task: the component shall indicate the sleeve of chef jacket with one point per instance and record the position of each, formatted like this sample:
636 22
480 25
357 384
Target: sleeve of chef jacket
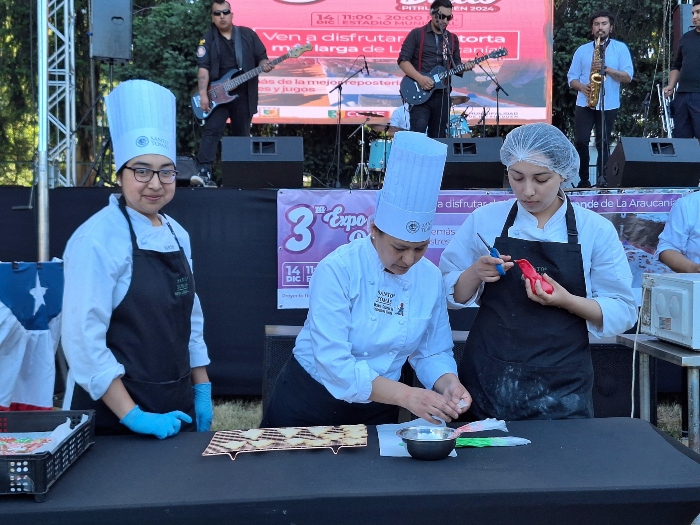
434 357
329 319
459 255
91 274
610 281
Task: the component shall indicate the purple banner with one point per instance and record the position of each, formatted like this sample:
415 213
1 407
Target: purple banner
312 223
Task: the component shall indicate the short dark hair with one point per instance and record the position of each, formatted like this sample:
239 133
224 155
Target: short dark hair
437 4
696 2
599 14
221 2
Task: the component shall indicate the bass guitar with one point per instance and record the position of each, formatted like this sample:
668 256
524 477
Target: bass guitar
218 92
414 95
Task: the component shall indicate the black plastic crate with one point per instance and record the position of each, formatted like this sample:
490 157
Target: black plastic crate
35 473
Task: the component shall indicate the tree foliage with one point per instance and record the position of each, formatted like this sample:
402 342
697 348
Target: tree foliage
165 38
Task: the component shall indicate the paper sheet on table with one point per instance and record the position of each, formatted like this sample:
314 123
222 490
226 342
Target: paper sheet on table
392 445
57 436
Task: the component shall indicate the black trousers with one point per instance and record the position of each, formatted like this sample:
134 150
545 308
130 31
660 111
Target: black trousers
433 114
685 110
214 126
585 119
299 400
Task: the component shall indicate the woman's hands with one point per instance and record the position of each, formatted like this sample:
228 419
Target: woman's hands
588 309
485 267
447 402
443 402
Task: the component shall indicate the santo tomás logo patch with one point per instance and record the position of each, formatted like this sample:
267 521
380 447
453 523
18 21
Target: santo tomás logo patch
201 51
412 227
142 141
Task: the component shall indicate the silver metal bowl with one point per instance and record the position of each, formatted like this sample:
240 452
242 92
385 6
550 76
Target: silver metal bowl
428 443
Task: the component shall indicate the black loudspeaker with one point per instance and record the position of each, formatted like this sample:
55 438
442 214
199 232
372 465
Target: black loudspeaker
262 162
682 23
612 382
186 167
279 343
111 30
473 163
654 162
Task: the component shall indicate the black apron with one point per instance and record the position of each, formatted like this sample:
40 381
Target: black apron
524 360
149 333
299 400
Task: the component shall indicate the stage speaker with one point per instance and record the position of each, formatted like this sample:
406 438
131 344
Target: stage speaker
111 30
682 23
279 343
612 382
473 163
262 162
186 167
654 162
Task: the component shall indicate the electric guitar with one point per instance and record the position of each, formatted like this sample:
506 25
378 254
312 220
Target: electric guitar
218 92
414 95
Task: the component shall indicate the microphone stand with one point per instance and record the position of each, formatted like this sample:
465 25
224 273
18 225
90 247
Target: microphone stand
339 87
601 180
498 89
362 147
482 121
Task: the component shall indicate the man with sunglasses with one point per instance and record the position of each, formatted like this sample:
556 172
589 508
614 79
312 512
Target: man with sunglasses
424 48
224 48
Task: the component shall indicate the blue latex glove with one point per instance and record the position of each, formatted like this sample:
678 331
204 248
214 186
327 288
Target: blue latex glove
203 408
159 425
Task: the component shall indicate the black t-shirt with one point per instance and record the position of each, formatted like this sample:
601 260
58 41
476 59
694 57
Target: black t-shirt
687 61
432 49
228 54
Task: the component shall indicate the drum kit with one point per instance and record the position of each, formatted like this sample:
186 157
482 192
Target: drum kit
370 174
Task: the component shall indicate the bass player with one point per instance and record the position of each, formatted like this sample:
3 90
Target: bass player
426 47
223 48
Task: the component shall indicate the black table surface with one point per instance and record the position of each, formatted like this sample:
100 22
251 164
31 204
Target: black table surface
596 471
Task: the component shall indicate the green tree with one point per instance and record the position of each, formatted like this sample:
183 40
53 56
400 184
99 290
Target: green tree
18 118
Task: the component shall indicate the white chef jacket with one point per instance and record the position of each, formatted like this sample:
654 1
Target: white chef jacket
607 272
364 322
682 229
97 270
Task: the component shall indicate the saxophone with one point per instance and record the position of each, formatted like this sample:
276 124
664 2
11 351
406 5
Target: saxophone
595 78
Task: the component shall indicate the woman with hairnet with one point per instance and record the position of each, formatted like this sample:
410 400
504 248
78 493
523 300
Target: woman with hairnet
527 354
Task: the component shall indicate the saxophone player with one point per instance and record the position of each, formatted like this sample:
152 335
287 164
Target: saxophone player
598 67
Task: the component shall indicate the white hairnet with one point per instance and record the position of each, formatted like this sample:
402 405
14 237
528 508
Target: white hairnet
542 145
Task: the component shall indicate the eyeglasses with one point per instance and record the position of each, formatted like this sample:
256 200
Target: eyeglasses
146 174
225 12
444 17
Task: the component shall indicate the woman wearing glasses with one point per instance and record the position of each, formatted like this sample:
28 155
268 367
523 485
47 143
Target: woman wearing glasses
132 324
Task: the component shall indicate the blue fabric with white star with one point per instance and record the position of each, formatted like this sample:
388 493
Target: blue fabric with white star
32 291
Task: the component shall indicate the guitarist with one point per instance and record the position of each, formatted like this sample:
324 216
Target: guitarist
223 48
424 48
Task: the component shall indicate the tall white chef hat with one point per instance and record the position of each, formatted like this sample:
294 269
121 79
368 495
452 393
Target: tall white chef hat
141 118
407 201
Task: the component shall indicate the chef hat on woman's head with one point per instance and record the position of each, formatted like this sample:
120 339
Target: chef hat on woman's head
407 201
542 145
141 118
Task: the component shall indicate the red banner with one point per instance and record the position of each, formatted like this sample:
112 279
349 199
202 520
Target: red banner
343 33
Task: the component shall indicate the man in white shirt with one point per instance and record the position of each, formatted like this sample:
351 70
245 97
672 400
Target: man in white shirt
616 68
